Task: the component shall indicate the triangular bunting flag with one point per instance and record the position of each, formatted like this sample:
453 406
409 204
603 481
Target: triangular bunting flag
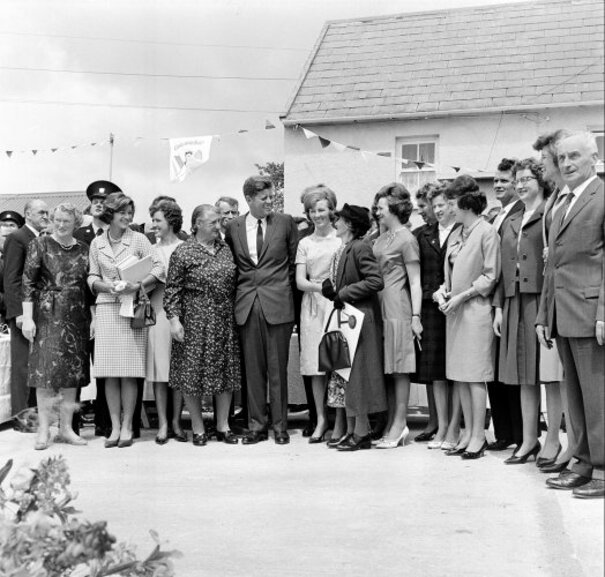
338 146
353 148
308 133
324 142
74 146
9 153
387 154
419 164
34 152
54 149
456 168
242 131
93 144
269 125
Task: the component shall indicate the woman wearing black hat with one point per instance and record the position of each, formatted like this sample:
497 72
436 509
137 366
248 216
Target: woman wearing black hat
356 279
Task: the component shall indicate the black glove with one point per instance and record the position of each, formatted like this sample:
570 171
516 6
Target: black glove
327 289
338 304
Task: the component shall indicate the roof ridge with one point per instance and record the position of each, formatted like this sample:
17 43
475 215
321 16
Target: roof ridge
445 11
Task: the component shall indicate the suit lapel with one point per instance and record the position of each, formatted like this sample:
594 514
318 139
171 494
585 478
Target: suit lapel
580 203
104 246
242 236
537 215
515 222
341 264
431 234
271 226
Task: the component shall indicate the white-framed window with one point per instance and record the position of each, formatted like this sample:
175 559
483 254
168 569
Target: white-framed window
422 149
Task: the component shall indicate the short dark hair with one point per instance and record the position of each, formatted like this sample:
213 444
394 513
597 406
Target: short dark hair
506 164
156 201
172 213
228 200
255 184
549 141
399 200
438 188
115 202
465 191
426 189
537 170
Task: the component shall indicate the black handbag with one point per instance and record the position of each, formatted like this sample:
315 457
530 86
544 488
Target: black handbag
333 347
144 315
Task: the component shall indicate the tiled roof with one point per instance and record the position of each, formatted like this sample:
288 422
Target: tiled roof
500 57
52 199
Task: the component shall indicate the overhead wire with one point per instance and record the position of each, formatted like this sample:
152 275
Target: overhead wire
149 74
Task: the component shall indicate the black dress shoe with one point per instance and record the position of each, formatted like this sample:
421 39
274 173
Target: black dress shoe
517 459
319 439
455 452
282 438
180 437
199 440
593 490
308 430
555 467
424 437
227 437
355 443
253 437
468 455
500 445
567 482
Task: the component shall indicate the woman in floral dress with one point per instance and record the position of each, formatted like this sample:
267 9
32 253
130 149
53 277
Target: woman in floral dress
56 320
199 298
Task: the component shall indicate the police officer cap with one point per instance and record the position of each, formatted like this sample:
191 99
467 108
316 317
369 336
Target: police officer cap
101 188
13 216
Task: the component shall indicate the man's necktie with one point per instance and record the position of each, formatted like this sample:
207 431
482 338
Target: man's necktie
564 207
259 238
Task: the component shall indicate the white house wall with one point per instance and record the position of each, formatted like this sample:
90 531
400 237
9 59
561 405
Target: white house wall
477 142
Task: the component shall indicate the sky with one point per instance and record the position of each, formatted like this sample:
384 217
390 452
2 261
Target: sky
72 72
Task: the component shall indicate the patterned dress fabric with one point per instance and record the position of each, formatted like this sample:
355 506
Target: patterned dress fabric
200 291
120 351
159 342
393 251
54 279
315 252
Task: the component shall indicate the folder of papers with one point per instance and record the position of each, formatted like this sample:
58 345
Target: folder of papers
132 269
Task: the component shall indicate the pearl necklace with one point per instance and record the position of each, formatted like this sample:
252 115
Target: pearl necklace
64 246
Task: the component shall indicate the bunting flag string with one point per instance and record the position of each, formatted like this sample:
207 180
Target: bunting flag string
136 141
367 154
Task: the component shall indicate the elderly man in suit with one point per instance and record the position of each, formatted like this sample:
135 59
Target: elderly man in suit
505 401
15 251
264 249
572 309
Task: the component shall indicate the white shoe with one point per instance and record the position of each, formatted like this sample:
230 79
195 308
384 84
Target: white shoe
447 446
385 444
435 444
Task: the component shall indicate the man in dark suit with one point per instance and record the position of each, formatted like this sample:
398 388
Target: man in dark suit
264 250
15 251
97 192
10 221
572 309
505 401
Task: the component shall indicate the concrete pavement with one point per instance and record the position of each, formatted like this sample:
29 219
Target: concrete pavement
300 509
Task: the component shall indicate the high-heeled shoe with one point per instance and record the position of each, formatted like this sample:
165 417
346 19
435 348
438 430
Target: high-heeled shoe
111 443
335 441
517 459
386 444
424 437
455 451
355 443
554 468
474 454
315 440
543 462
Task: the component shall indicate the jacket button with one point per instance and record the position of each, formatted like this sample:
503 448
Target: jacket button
524 257
525 280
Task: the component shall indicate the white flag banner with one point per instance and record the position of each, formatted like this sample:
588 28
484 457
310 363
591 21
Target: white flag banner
188 154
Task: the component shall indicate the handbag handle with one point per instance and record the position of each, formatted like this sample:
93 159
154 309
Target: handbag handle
340 323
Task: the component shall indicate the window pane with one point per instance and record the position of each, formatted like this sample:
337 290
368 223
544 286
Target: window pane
427 152
600 144
409 151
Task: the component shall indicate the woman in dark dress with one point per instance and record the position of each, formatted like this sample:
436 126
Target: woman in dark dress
56 320
432 241
199 300
357 281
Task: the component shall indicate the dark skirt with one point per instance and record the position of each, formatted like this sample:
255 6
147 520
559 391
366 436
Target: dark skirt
431 360
519 347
